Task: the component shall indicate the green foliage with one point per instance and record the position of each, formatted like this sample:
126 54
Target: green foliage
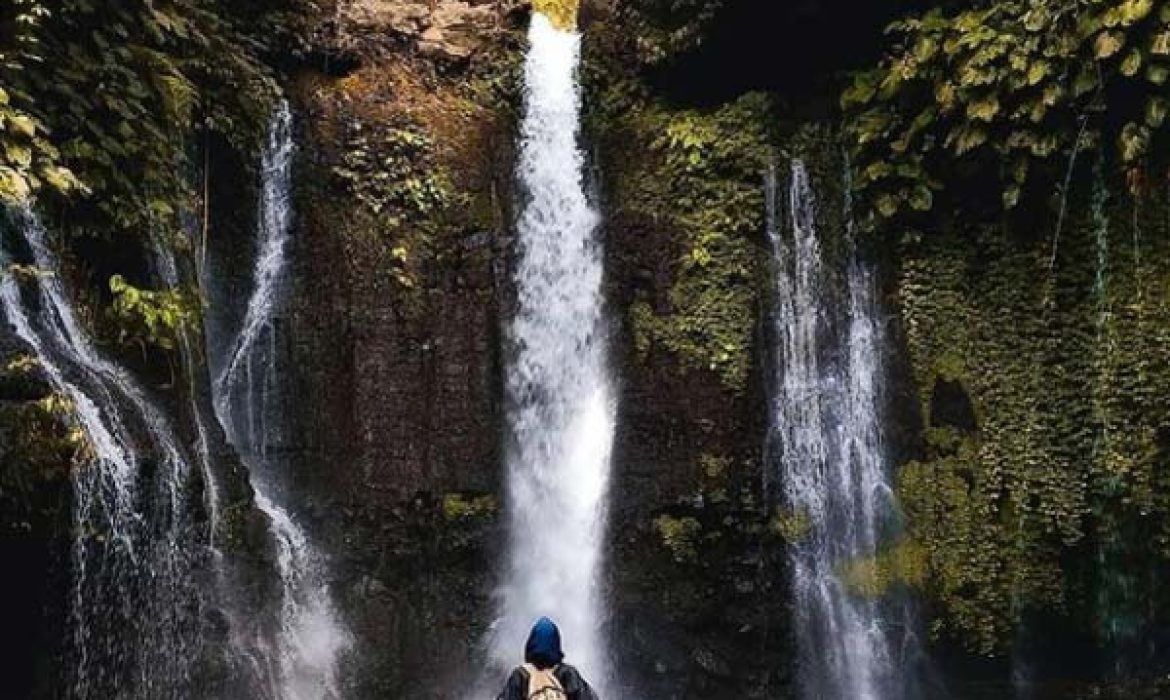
458 506
27 157
659 30
41 445
152 317
700 174
1015 88
904 563
393 171
35 464
680 536
390 171
105 97
791 525
1059 494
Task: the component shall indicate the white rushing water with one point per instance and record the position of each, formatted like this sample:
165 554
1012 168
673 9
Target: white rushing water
830 458
309 637
133 606
561 410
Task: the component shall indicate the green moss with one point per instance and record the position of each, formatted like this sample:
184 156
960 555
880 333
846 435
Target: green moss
1061 490
679 535
873 577
38 450
695 176
458 506
411 163
790 525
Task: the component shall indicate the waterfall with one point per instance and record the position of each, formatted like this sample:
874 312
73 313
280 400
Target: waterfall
167 270
560 407
247 395
134 609
829 456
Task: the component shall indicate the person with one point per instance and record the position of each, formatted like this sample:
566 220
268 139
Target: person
543 676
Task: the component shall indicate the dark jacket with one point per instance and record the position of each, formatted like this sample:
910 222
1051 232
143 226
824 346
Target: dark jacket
543 650
575 686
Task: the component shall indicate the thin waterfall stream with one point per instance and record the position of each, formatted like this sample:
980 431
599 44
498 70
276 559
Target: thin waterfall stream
247 393
560 404
136 545
829 456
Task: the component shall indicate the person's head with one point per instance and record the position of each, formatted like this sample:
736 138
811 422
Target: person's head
543 649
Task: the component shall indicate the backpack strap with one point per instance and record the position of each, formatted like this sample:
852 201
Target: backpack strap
543 679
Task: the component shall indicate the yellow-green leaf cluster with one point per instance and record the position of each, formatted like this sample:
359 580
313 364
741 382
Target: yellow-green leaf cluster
113 94
1013 88
1061 459
157 318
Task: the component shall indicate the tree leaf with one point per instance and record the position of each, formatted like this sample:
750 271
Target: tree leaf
23 124
1037 72
1011 196
18 154
1156 109
1109 43
1132 63
1160 44
968 139
1133 141
1133 11
984 109
921 198
887 205
1085 81
14 187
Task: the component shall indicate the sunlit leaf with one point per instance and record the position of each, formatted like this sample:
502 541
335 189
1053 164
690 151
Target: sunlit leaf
1132 63
1109 43
984 109
1156 111
921 198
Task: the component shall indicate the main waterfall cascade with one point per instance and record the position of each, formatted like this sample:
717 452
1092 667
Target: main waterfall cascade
830 461
247 392
134 607
561 410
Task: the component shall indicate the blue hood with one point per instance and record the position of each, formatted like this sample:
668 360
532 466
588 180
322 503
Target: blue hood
543 649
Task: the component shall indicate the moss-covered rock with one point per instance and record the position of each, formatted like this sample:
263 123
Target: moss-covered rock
695 178
1042 480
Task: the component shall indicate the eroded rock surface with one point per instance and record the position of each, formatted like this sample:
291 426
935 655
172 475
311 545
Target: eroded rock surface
443 29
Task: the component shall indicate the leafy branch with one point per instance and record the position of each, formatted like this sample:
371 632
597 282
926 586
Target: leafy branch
1006 88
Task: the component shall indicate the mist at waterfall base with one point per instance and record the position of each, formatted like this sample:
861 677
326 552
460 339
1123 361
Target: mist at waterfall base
301 658
560 407
830 461
142 539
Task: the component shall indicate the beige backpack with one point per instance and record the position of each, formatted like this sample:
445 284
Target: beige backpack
543 684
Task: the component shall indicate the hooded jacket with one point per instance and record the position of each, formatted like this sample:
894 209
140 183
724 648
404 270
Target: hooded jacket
543 650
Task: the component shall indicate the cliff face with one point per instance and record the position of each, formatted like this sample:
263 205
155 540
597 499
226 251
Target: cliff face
403 252
403 179
1027 420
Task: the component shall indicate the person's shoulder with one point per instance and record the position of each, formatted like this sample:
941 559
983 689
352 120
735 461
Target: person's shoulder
575 685
567 671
